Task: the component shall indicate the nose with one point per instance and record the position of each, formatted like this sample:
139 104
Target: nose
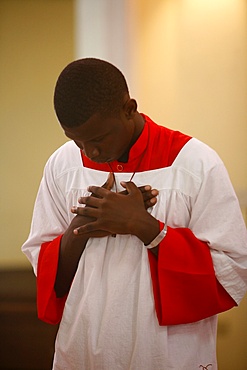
91 151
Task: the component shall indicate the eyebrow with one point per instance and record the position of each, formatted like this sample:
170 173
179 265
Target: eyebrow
97 137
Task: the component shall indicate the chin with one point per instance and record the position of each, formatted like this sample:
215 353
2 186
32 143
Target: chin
99 160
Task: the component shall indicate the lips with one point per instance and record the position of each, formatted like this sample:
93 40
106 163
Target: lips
101 160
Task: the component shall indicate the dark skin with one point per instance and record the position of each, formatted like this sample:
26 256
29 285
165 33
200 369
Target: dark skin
106 212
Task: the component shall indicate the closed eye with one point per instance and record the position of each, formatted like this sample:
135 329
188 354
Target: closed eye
98 139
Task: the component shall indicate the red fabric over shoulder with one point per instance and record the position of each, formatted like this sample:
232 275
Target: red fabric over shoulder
167 144
50 308
184 283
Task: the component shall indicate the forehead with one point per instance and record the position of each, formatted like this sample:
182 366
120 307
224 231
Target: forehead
94 127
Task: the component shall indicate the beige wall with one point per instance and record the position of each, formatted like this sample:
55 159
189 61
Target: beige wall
36 43
191 72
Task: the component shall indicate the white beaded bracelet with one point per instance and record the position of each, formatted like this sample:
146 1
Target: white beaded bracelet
158 238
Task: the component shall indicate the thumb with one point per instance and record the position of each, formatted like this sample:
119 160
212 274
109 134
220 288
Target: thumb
129 186
109 182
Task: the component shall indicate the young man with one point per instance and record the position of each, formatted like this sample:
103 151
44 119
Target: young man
135 276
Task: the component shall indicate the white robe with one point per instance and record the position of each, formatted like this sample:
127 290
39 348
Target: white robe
109 320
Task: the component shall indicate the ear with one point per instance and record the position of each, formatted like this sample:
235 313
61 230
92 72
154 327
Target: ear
130 108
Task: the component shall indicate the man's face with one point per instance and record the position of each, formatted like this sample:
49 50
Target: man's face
102 139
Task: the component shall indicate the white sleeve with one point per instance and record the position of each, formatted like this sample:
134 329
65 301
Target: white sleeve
216 218
50 217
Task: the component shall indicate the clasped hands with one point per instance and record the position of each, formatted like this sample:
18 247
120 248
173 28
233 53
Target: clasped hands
107 213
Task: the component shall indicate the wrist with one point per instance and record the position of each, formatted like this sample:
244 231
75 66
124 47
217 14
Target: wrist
147 228
156 241
72 242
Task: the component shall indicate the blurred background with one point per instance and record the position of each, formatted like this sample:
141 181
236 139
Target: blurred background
186 64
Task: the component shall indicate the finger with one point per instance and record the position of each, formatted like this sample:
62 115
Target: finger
95 234
150 198
150 194
129 186
85 229
109 182
98 191
80 231
144 188
150 202
85 211
90 201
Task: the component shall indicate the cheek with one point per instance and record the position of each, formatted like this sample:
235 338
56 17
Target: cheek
115 145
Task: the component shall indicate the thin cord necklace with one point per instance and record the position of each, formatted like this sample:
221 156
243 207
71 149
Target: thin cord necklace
139 162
